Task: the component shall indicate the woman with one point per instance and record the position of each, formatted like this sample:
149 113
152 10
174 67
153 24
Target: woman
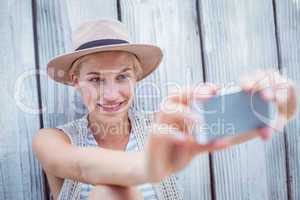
138 153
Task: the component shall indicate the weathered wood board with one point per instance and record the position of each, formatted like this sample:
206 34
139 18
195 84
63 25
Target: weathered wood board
54 30
288 16
239 37
55 22
20 175
202 40
173 26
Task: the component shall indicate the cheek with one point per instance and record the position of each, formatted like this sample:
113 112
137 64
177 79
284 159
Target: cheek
89 93
127 90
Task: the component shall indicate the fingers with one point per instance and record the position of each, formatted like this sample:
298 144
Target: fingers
250 81
278 123
181 140
215 145
219 144
172 123
175 111
177 117
286 100
259 80
265 133
182 149
201 92
272 87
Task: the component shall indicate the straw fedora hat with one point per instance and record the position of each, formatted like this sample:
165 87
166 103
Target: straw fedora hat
100 36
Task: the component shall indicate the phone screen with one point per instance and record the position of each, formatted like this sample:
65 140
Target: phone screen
230 114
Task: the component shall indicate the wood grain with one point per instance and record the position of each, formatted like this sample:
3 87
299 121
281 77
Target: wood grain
173 26
55 22
288 15
239 37
20 174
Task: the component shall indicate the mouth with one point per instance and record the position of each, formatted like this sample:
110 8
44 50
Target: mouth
111 107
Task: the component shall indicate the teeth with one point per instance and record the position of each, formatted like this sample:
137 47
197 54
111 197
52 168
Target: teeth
110 106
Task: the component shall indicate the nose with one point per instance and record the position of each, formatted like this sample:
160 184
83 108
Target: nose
111 93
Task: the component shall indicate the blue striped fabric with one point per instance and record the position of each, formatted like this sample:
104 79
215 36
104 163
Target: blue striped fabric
146 189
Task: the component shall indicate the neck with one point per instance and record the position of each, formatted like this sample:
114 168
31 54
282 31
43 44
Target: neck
109 130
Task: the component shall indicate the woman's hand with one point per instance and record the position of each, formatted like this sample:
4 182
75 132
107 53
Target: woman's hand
275 88
170 145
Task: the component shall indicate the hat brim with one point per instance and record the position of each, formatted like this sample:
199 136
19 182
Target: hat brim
149 56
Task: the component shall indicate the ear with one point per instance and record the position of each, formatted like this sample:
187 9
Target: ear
74 80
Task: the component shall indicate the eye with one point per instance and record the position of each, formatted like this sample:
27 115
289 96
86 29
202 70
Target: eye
122 77
96 80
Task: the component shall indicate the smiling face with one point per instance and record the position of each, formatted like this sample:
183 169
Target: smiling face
106 82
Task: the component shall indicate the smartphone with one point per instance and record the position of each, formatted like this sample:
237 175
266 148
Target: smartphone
231 113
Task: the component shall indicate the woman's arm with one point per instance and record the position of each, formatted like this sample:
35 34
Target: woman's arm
92 165
165 152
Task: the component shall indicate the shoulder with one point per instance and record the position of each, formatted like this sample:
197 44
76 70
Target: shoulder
58 133
74 129
46 136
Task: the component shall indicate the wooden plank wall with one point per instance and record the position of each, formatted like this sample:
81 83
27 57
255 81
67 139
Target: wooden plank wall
55 21
20 175
203 40
175 30
235 41
288 30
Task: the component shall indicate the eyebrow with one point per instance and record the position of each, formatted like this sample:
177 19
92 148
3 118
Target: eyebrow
99 73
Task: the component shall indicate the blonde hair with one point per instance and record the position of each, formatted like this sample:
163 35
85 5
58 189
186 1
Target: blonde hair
137 67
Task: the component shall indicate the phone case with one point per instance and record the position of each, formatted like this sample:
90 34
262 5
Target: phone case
231 113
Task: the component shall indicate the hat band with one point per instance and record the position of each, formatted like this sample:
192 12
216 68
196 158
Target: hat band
98 43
